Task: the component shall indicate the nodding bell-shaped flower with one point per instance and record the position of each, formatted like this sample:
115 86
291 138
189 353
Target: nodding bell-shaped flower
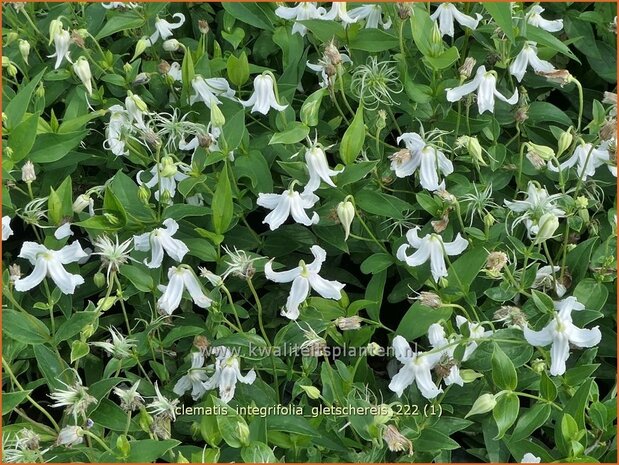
560 332
417 369
534 17
116 129
136 108
62 41
484 83
421 156
338 11
528 57
181 278
544 279
263 98
160 240
301 12
438 341
70 436
587 159
446 13
194 378
303 277
207 90
227 374
164 29
318 168
82 70
6 227
50 263
373 15
431 247
289 202
476 331
537 204
166 175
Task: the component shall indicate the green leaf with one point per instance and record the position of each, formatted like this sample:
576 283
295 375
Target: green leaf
296 133
547 388
544 113
142 451
356 172
139 277
79 349
16 108
376 263
502 15
530 421
74 325
52 366
324 31
444 60
230 425
543 302
542 37
187 73
431 439
258 452
503 372
374 292
24 328
222 203
418 319
180 332
10 400
238 69
121 22
505 412
310 109
255 14
21 139
353 139
373 40
592 294
52 147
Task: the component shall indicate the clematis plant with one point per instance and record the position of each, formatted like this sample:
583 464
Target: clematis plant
447 13
160 240
264 97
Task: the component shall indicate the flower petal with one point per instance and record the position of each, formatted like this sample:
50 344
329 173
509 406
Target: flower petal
327 289
280 276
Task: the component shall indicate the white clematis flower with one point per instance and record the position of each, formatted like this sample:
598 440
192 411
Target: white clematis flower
136 108
430 247
588 159
227 374
544 279
534 17
537 204
323 65
421 156
6 227
303 277
164 29
263 98
117 128
484 83
181 278
289 202
338 11
70 436
476 331
207 90
64 231
50 263
530 458
82 70
160 240
528 57
62 41
119 5
165 177
318 168
438 340
446 13
301 12
417 369
373 15
194 378
561 332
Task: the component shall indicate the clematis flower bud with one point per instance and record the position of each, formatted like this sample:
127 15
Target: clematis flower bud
82 70
140 47
548 224
473 147
27 172
24 50
542 151
55 26
311 391
346 215
348 323
171 45
203 26
217 117
81 203
467 67
484 404
11 37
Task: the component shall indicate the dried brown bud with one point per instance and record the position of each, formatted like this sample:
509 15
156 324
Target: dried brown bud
440 225
609 130
429 299
332 54
396 441
511 316
201 343
467 67
205 140
610 98
560 76
164 67
537 161
404 11
522 114
496 261
203 26
77 39
348 323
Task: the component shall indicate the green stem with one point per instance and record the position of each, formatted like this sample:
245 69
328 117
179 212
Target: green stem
369 231
8 370
98 440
